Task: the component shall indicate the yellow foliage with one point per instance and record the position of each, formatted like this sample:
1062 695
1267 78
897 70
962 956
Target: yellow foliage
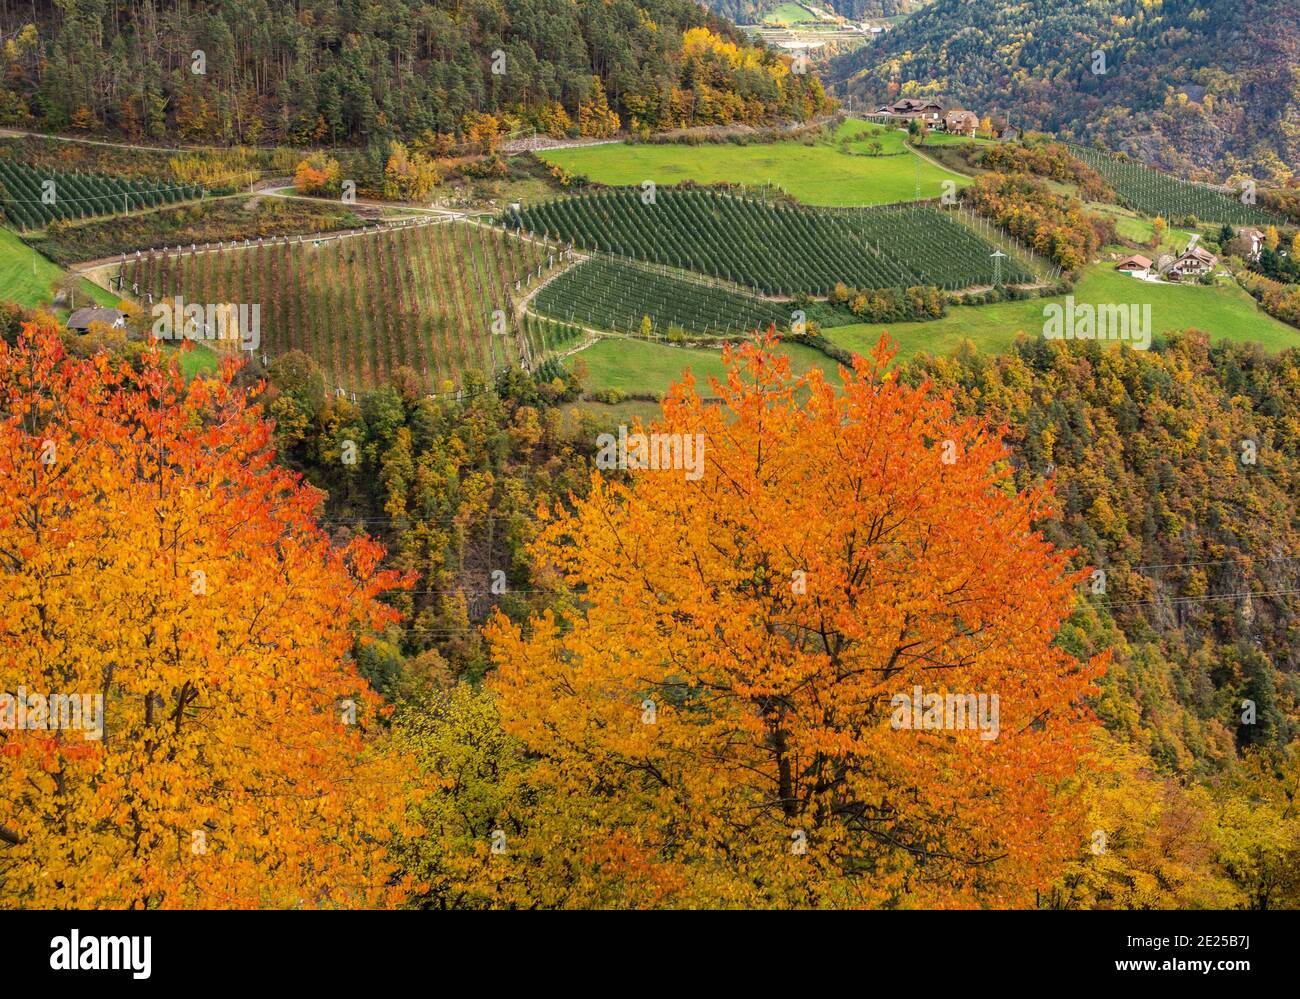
728 669
167 576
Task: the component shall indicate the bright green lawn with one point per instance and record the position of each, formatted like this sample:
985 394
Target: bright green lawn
820 174
1139 230
862 133
937 138
28 278
638 366
1224 311
788 13
198 360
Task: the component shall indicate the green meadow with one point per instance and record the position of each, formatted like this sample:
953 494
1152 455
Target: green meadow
1131 226
1223 311
643 366
820 173
789 13
25 276
28 278
935 138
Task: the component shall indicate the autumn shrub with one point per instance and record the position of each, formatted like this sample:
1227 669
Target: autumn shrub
317 174
1053 225
1049 159
1277 299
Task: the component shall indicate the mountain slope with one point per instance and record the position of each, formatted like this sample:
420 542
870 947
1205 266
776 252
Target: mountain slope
1188 84
337 71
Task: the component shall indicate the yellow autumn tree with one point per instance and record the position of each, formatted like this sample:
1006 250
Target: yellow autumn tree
551 119
83 119
180 722
482 131
409 176
1259 828
595 117
700 42
1159 228
1150 841
808 655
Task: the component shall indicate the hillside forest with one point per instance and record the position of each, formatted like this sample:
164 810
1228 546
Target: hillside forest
1206 90
329 72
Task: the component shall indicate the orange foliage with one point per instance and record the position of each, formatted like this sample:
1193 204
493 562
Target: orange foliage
308 179
152 554
717 703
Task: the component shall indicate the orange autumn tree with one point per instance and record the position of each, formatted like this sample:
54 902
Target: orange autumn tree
718 706
317 174
152 555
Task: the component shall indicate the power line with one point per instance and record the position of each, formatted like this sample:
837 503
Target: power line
97 198
1206 598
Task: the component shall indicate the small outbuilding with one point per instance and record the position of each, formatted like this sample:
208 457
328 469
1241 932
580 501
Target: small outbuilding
1137 265
81 320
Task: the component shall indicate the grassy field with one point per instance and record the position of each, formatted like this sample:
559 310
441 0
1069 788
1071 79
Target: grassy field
527 181
613 414
1133 227
640 366
861 133
817 174
199 359
25 276
28 278
937 138
1225 312
788 13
